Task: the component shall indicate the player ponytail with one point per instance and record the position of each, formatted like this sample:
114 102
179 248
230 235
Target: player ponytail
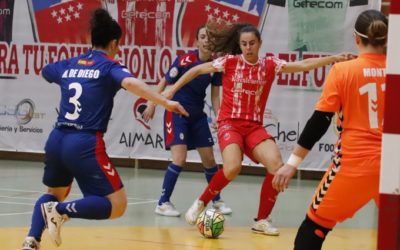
104 28
372 27
226 39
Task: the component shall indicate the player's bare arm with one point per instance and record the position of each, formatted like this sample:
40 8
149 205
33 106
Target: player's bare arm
148 113
200 69
215 101
315 128
286 172
312 63
140 88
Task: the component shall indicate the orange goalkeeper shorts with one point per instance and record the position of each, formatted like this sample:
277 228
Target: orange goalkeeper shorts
339 195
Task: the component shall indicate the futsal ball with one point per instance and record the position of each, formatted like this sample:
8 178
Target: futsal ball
210 223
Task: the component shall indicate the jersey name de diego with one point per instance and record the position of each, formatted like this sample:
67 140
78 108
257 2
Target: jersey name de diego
88 85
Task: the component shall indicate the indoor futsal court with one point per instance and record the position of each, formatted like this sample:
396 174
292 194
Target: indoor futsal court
141 228
28 110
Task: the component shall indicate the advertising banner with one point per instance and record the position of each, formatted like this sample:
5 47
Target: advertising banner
34 33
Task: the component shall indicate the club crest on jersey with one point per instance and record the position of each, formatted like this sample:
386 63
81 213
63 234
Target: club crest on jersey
85 62
227 136
173 72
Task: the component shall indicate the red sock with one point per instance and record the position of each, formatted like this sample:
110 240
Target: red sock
217 183
267 197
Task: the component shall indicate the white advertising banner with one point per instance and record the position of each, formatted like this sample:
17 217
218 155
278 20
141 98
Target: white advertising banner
36 32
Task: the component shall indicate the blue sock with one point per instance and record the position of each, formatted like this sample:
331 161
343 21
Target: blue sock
38 224
90 207
210 172
170 178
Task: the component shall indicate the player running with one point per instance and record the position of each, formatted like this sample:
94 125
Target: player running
246 80
75 148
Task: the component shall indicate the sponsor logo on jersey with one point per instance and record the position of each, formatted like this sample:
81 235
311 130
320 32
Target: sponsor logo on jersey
85 62
227 136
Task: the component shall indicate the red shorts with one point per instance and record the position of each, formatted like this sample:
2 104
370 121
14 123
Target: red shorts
247 134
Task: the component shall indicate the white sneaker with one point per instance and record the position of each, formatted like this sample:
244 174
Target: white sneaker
167 209
30 243
53 221
265 227
194 211
221 207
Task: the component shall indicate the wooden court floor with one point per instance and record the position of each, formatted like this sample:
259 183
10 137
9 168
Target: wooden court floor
140 228
143 238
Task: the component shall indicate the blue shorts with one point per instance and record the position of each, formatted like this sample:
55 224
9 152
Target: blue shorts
70 153
192 131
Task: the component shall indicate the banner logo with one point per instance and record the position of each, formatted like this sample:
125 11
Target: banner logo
58 21
225 12
138 109
318 4
144 23
24 111
5 12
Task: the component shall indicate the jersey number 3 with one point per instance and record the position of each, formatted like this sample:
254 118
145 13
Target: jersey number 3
74 100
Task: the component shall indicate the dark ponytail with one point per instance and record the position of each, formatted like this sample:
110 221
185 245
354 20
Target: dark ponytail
104 29
372 27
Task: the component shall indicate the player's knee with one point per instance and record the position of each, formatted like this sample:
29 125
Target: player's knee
310 235
60 193
209 163
232 171
118 207
179 160
274 165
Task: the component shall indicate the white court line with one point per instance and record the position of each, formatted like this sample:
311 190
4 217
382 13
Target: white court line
31 204
17 197
144 199
15 214
71 194
16 203
20 190
31 198
142 202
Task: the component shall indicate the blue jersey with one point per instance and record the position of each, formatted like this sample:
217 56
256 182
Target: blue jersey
192 95
88 85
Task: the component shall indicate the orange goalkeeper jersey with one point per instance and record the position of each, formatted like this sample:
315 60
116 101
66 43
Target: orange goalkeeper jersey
355 90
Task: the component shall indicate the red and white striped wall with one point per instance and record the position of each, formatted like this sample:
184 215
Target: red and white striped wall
389 211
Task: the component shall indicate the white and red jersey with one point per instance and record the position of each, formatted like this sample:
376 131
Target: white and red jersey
246 86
